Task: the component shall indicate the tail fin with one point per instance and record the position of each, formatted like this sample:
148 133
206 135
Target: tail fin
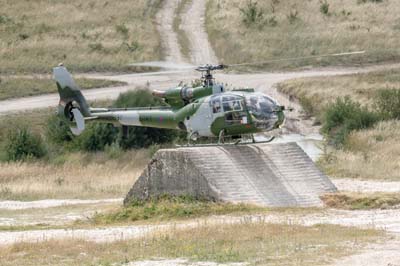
72 103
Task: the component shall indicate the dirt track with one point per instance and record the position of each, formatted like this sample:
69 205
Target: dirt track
377 254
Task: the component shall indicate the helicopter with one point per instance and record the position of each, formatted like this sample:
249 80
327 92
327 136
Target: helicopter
207 110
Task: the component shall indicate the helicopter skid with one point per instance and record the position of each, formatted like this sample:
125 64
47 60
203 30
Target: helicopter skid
235 143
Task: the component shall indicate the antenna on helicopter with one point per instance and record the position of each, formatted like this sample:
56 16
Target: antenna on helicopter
206 75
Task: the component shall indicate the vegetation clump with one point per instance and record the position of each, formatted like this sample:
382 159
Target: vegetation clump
251 13
324 7
344 116
22 144
387 103
357 201
168 207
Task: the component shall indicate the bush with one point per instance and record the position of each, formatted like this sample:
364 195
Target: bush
21 144
344 116
137 98
324 7
97 136
58 130
122 29
293 16
251 13
387 103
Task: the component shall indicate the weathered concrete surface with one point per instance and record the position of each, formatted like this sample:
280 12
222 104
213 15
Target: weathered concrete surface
264 174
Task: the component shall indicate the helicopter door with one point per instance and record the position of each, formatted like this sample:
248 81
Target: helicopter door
233 110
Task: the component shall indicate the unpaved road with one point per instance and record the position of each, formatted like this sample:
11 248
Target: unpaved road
193 25
49 203
384 254
165 19
388 220
180 262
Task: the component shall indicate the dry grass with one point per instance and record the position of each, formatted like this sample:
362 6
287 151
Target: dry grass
324 90
11 87
257 243
350 26
85 35
78 175
361 201
50 218
369 154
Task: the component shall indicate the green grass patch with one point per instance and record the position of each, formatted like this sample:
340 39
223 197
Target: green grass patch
172 207
11 87
361 201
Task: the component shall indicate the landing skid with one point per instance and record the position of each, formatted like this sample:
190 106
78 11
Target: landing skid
235 143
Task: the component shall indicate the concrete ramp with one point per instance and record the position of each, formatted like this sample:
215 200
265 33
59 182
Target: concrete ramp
276 175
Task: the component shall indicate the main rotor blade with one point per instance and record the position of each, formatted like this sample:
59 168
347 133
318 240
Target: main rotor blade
298 58
165 64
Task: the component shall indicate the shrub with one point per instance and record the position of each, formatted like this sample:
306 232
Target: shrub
97 136
387 103
251 13
95 47
58 130
122 29
5 19
132 46
137 98
324 7
344 116
293 16
21 144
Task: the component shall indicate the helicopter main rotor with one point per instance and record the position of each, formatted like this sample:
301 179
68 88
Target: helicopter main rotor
206 75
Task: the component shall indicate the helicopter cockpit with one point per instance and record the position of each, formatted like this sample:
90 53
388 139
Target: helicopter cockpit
263 109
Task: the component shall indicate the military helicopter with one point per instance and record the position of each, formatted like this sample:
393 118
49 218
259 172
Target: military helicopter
207 110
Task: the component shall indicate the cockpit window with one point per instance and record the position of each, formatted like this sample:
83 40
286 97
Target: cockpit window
260 104
216 105
232 103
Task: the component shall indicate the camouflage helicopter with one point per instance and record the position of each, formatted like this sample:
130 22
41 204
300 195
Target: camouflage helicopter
207 110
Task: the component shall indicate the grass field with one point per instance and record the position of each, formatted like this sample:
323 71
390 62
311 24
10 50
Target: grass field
258 243
12 87
295 28
85 35
76 175
65 174
367 154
